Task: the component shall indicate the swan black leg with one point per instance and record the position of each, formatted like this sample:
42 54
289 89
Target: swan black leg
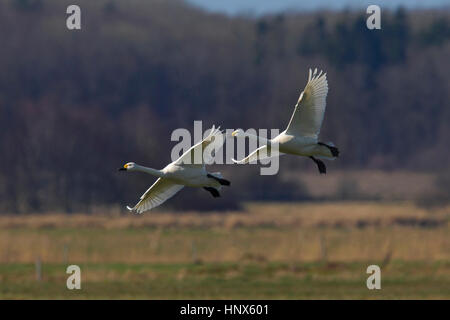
320 165
213 191
223 182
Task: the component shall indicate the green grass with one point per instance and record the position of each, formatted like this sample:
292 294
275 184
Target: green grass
270 251
400 280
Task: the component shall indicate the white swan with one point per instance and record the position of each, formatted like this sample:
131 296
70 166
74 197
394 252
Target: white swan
182 172
302 133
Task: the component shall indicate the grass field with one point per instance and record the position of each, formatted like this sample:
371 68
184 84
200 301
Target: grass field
272 251
415 280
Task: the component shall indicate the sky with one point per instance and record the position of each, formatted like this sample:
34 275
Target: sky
259 7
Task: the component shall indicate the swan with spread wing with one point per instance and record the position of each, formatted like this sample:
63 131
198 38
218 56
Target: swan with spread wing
302 134
188 170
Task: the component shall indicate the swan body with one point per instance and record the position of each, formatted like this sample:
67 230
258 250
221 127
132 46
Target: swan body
180 173
301 137
189 176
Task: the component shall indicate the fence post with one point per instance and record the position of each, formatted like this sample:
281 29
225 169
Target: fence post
194 252
38 266
323 249
66 253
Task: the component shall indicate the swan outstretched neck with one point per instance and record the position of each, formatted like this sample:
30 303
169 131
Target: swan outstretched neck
254 137
153 172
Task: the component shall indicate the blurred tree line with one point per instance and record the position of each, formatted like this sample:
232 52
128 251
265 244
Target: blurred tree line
75 105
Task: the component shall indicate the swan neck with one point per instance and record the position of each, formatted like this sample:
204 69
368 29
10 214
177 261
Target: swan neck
153 172
260 140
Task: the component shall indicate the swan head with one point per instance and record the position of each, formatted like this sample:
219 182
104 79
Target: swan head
238 132
128 166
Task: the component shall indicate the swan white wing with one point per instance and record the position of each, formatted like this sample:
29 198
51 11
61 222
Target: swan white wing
263 152
157 194
204 151
310 108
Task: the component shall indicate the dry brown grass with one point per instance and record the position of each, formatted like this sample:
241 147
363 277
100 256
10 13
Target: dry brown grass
331 214
264 232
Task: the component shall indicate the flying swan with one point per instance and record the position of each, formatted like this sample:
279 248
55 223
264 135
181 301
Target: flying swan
302 134
184 171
